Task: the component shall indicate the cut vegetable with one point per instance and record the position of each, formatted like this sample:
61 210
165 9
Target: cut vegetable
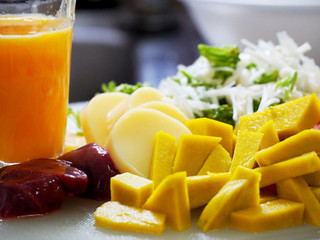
131 190
163 152
192 152
202 188
270 135
116 216
268 216
131 140
218 161
171 198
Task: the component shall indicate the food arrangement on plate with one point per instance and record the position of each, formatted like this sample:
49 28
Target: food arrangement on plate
235 134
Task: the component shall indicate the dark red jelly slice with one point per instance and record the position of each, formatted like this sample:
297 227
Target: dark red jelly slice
96 162
38 186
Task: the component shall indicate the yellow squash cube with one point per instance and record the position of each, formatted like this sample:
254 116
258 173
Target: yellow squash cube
218 161
294 167
163 152
268 216
192 152
130 189
210 127
171 198
202 188
116 216
296 189
248 144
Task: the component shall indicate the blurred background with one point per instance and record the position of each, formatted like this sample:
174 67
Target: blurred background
144 40
129 41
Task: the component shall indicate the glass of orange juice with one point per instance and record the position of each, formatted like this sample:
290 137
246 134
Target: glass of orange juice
35 52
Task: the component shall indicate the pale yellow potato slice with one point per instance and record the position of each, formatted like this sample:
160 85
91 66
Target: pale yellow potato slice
166 108
131 140
94 116
139 97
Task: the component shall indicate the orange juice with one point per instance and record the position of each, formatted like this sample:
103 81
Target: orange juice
34 86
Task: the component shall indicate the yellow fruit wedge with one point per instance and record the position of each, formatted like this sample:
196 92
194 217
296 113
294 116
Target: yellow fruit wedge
93 117
130 189
116 216
171 199
296 189
303 142
218 161
247 145
250 194
192 152
210 127
163 152
268 216
289 118
294 167
216 213
202 188
270 135
130 143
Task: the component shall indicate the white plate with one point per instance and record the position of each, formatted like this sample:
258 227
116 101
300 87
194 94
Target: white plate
75 221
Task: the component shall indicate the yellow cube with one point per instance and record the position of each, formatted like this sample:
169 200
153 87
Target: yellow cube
130 189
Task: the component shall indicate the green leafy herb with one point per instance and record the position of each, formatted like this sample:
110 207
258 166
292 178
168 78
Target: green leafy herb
76 118
267 77
256 104
287 84
223 113
124 87
251 65
227 56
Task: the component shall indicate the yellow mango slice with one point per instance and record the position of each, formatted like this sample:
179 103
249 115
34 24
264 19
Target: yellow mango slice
303 142
166 108
73 141
163 152
192 152
297 115
270 135
296 189
93 117
248 144
218 161
202 188
268 216
171 198
130 189
131 141
313 179
116 216
294 167
289 118
216 213
250 194
210 127
316 192
139 97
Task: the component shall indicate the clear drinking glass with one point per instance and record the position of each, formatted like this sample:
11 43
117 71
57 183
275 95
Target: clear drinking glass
35 53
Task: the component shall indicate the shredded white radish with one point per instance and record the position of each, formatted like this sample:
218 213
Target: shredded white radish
240 89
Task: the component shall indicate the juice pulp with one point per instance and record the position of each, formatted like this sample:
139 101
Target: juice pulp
34 86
